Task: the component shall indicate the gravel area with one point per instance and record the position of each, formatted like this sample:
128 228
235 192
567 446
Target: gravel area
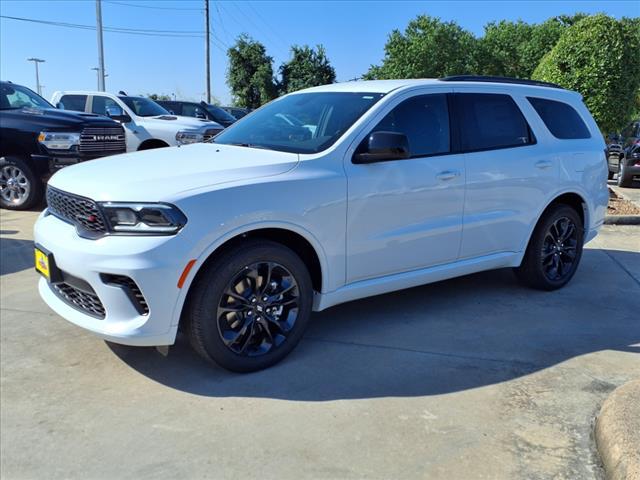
620 206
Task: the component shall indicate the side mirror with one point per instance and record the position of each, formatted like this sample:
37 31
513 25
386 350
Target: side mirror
201 115
382 147
118 114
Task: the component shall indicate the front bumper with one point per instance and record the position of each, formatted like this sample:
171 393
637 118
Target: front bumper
153 263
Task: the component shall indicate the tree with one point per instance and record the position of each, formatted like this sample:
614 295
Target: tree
597 56
427 48
307 68
250 73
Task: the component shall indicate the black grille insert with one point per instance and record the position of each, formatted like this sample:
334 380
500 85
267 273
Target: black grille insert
82 212
130 288
87 302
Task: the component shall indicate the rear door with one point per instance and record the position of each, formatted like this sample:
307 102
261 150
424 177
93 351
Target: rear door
509 175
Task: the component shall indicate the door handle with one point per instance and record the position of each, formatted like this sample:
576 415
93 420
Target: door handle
542 164
448 175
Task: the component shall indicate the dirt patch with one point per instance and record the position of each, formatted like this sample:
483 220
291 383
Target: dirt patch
620 206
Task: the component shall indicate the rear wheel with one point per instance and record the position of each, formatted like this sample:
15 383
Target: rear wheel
624 179
250 307
554 250
610 175
20 189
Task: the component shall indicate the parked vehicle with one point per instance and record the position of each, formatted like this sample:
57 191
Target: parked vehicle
237 112
199 110
147 125
36 140
623 155
398 183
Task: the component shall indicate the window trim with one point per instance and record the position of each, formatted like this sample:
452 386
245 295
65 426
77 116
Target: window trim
458 115
584 124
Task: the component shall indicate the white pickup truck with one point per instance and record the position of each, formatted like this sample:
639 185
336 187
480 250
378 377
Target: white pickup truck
147 125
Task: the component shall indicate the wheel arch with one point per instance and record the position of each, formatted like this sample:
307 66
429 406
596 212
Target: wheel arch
302 242
152 143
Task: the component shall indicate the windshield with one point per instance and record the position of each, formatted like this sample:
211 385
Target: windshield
144 107
14 97
300 123
219 115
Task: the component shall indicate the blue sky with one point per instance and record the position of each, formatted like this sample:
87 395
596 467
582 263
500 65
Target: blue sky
353 33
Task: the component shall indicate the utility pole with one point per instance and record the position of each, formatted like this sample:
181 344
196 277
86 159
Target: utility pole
100 49
206 48
97 69
37 61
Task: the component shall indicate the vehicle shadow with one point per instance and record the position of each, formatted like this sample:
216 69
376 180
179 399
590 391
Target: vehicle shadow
15 255
440 338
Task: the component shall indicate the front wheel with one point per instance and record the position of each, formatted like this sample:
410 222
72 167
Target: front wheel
554 250
250 307
20 189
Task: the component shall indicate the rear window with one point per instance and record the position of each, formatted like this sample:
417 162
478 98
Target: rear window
560 118
491 121
73 102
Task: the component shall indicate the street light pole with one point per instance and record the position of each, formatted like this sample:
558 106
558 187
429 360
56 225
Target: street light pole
37 61
100 48
206 48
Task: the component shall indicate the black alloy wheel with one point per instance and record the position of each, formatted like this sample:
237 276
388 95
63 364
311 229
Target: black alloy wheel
554 251
249 307
258 309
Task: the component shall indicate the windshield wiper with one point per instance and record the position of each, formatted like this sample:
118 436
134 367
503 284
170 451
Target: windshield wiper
247 145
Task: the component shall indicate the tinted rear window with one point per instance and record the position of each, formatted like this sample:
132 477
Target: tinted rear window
73 102
489 121
560 118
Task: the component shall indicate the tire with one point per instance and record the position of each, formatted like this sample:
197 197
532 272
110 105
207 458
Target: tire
610 175
212 313
20 188
624 179
543 252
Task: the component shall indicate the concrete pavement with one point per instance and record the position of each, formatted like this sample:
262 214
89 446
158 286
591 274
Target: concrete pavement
475 377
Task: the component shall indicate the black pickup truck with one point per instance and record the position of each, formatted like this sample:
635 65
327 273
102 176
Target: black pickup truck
36 140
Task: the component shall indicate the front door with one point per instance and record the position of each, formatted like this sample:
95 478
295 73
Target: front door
407 214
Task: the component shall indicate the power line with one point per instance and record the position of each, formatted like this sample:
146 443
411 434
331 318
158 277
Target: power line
148 6
130 31
261 18
248 17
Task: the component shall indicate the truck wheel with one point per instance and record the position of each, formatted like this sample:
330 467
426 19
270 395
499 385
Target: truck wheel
554 250
20 189
250 307
610 175
624 179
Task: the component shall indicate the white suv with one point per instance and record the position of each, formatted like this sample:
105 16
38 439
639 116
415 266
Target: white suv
377 186
146 124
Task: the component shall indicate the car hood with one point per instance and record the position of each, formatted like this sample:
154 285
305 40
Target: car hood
188 123
167 174
52 117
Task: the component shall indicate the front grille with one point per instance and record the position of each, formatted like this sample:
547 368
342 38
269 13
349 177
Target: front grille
82 212
209 134
87 302
130 288
102 141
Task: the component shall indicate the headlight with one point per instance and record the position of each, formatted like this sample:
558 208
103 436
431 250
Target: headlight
143 218
59 140
185 138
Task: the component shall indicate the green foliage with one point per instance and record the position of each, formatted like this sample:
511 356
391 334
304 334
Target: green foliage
598 57
427 48
250 73
307 68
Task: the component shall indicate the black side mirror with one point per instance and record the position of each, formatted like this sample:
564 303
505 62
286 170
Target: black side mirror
382 147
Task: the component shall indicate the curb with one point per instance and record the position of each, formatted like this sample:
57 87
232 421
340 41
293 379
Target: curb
622 220
617 433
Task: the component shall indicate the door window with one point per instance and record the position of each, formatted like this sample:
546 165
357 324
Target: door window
490 121
424 119
100 105
191 110
73 102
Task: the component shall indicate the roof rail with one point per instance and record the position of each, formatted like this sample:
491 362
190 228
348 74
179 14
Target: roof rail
489 78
